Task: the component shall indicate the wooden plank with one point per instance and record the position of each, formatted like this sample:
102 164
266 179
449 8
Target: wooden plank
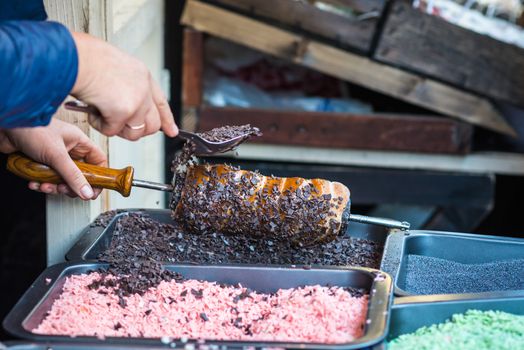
439 49
306 16
147 154
65 216
360 6
132 22
394 82
341 130
193 68
475 163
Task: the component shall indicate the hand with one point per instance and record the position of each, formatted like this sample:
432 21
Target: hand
55 145
123 90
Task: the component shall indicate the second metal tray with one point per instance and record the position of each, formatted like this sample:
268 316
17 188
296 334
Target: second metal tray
411 313
459 247
95 239
38 300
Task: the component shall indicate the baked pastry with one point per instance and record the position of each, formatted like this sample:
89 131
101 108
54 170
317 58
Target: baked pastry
222 198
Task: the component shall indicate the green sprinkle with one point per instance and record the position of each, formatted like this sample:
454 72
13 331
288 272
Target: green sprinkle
475 330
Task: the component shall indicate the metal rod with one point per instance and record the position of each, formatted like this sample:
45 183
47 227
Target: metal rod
153 185
403 225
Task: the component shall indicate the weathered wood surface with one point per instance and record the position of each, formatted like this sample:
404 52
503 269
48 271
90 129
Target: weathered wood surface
439 49
477 162
306 16
360 6
193 68
391 81
337 130
66 216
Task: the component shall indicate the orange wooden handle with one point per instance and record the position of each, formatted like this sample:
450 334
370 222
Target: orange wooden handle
120 180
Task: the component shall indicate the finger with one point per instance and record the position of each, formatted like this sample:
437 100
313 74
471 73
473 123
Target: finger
110 128
97 192
95 121
64 189
64 165
136 125
152 122
105 125
166 116
95 155
49 188
35 186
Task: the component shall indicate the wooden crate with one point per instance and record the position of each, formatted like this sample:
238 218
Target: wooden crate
412 88
433 47
305 16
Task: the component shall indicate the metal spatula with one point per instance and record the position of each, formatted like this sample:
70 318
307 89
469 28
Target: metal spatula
203 147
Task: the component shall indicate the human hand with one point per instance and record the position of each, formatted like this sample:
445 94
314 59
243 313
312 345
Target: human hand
55 145
131 102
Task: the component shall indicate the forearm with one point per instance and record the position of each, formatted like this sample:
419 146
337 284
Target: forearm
38 69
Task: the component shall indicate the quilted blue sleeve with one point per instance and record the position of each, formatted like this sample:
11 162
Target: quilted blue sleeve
38 68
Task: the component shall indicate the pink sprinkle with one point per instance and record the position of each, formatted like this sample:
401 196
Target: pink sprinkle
309 314
47 281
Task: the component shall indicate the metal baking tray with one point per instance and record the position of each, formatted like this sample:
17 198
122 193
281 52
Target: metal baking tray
464 248
96 239
38 299
410 313
21 345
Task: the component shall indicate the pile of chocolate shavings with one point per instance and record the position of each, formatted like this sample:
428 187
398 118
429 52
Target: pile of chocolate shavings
105 218
138 237
225 133
130 276
140 244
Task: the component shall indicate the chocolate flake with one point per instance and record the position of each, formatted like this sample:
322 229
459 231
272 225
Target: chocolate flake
138 237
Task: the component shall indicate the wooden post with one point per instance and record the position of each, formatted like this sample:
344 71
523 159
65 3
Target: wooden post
65 216
135 26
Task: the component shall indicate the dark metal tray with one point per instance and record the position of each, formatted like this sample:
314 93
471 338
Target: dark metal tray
32 307
96 239
460 247
21 345
410 313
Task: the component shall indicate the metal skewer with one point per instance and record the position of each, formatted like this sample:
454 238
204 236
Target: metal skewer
152 185
402 225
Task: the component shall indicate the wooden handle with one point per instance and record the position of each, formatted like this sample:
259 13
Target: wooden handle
119 180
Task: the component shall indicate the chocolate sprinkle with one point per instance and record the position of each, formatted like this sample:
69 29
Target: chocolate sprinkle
139 237
186 158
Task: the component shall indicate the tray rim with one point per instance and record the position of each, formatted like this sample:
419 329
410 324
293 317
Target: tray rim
91 234
381 300
395 259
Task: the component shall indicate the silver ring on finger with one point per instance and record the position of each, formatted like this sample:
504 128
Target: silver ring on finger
136 127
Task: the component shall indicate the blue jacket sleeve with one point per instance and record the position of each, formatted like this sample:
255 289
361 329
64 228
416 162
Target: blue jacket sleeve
38 68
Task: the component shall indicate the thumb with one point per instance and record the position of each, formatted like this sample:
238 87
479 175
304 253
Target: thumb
73 177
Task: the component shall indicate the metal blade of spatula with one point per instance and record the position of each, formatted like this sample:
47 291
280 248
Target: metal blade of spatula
121 180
